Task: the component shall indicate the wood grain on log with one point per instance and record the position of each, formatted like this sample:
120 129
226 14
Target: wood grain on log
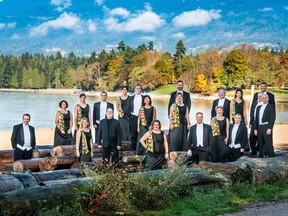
32 165
6 166
58 175
6 156
40 153
9 183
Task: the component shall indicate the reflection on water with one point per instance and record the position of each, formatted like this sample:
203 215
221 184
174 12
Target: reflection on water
43 107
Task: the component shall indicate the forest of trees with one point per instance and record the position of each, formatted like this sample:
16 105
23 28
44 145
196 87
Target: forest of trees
203 72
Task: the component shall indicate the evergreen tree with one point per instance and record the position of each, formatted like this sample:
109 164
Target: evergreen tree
8 74
151 46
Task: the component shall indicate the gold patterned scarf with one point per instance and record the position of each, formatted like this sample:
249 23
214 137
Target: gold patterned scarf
121 112
61 125
85 149
215 127
175 116
79 114
142 117
149 142
233 111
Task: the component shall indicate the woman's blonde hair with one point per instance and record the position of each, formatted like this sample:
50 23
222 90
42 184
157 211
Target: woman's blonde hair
84 119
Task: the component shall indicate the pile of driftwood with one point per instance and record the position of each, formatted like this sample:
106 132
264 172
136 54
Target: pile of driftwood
61 157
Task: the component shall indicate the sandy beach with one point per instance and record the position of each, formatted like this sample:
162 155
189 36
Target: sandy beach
45 136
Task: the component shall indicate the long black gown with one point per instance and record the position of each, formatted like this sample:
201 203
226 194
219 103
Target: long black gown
156 160
60 138
124 122
85 157
148 112
178 136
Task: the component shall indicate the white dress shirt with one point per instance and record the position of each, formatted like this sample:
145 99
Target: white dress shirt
103 109
27 139
199 134
221 102
261 112
137 104
258 104
233 137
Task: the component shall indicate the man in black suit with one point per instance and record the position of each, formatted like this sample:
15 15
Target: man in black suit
252 138
135 104
200 139
99 111
263 124
237 141
109 137
263 89
221 101
186 96
23 139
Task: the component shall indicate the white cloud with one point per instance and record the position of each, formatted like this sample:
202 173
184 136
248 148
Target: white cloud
148 38
67 21
2 25
120 12
146 21
197 17
15 37
11 25
99 2
55 49
61 4
265 9
179 35
1 0
286 7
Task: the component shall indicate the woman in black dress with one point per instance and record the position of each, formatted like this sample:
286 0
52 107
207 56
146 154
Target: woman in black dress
220 130
64 123
84 147
124 112
81 110
147 114
238 105
155 143
179 124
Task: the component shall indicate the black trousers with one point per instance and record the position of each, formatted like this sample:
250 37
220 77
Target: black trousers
22 155
133 130
231 154
202 155
112 152
253 140
265 142
96 132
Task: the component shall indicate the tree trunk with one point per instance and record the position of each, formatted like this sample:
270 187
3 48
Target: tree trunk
31 164
58 175
136 159
6 167
9 183
51 163
6 156
41 153
64 150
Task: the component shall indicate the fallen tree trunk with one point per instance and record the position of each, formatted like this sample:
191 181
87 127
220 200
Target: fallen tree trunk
6 156
58 175
9 183
51 163
31 164
6 166
136 159
64 150
41 153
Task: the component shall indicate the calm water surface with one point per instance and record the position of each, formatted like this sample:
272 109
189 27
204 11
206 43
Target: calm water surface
42 108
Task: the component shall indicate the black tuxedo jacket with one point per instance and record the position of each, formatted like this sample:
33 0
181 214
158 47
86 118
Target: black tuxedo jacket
18 136
269 116
241 136
255 99
207 138
226 108
186 100
109 138
96 111
131 100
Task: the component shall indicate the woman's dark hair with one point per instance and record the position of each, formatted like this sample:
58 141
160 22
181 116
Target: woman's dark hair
63 101
152 124
126 87
239 90
81 95
146 96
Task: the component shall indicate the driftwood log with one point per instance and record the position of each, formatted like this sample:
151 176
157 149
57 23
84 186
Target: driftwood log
31 164
52 163
6 167
41 153
9 183
6 156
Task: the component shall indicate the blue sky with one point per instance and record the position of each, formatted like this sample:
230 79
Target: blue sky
83 26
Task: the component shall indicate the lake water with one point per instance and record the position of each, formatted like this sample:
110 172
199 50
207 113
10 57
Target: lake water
42 108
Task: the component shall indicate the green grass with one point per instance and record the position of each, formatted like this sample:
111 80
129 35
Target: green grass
217 201
165 89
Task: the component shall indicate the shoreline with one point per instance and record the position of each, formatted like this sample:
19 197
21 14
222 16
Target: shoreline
195 96
45 136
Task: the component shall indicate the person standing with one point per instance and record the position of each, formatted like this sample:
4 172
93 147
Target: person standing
109 137
263 124
64 123
220 131
147 114
237 141
238 105
135 104
23 139
263 89
179 124
155 143
185 96
200 139
252 138
81 110
84 147
221 101
124 112
99 111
